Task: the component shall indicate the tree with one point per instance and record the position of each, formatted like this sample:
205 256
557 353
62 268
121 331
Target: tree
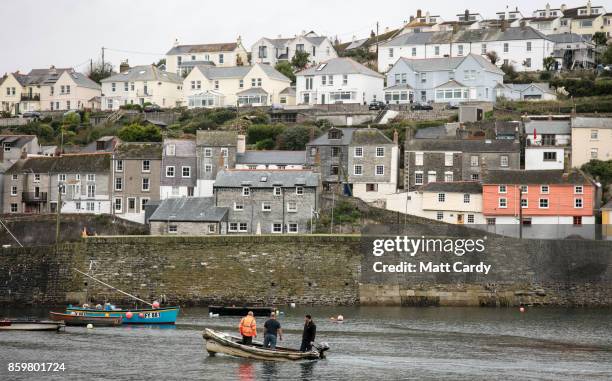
162 61
509 71
137 133
285 69
493 57
549 63
98 72
295 138
599 38
300 60
606 57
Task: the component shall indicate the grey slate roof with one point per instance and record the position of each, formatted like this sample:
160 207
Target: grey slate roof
352 135
564 38
583 122
265 178
272 157
189 209
448 63
83 81
216 72
535 177
144 73
557 127
607 206
272 72
203 48
340 65
182 147
216 138
522 87
94 163
458 145
347 135
253 91
44 76
457 187
404 86
17 141
152 151
437 132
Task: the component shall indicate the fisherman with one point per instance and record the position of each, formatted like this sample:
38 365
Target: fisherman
308 337
272 328
248 328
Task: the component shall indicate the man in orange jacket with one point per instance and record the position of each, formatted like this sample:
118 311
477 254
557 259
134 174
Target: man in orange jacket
248 328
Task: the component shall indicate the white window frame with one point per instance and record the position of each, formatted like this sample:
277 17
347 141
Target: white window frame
448 159
416 178
380 151
207 152
238 206
540 203
277 191
379 166
188 168
545 189
170 171
299 191
120 187
502 189
91 177
291 209
441 197
273 227
504 161
418 158
578 189
290 229
266 206
358 152
576 203
358 170
467 198
13 190
142 184
246 191
172 229
146 168
119 166
120 209
502 203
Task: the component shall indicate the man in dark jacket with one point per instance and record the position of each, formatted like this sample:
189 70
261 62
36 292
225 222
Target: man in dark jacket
308 337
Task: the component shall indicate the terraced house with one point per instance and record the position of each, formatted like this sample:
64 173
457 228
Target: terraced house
179 168
181 59
33 185
136 178
216 150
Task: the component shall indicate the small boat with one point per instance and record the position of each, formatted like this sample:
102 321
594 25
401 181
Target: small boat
218 342
29 325
82 321
240 311
160 315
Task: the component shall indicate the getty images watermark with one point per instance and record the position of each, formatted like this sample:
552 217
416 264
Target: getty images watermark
412 248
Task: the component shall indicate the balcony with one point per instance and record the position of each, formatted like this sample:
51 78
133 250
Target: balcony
142 93
30 97
33 197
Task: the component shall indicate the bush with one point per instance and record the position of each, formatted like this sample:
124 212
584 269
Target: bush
137 133
136 107
295 138
222 115
258 132
265 144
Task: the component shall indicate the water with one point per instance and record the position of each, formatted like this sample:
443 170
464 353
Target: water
373 343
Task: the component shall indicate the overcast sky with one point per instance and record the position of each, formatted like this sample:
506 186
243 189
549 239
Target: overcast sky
67 33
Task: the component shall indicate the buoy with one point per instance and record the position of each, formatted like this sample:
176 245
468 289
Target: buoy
141 315
73 313
292 305
522 309
340 318
89 326
129 315
156 304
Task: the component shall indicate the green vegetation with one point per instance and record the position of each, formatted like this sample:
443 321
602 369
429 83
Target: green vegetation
601 170
137 133
599 104
300 60
584 87
286 69
345 213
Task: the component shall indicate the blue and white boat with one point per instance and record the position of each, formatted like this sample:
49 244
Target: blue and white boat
159 315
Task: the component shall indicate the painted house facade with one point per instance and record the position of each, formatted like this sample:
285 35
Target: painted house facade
591 139
443 80
181 59
272 50
547 143
216 151
12 92
339 80
179 169
458 202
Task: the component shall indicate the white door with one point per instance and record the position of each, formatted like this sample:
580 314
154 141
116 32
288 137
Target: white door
473 93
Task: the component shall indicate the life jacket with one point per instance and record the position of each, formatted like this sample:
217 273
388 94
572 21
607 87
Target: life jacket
247 326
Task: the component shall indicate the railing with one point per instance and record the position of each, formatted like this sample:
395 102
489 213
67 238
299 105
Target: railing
142 93
30 197
30 97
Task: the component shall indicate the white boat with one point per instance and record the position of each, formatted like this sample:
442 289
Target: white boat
218 342
25 325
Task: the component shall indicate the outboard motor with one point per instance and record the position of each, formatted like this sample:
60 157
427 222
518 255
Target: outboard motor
321 348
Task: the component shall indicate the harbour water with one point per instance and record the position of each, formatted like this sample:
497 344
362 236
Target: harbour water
373 343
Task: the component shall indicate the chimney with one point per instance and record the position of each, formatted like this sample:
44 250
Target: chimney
176 42
467 15
411 18
547 9
239 40
588 7
241 144
24 154
124 66
395 137
418 15
563 7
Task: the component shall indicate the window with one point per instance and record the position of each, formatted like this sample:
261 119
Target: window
77 205
358 151
335 151
503 161
170 150
528 62
594 153
333 170
216 85
441 197
380 151
146 185
14 208
543 203
277 191
418 158
37 177
246 191
390 52
549 156
466 198
577 220
170 171
221 58
448 177
594 134
414 52
91 190
474 161
578 203
15 177
241 84
277 227
13 191
118 204
380 170
524 203
432 176
119 165
524 189
505 47
470 218
207 152
439 216
266 206
358 170
146 166
292 206
448 159
113 86
544 189
292 227
118 183
172 229
143 202
483 49
528 46
418 178
61 177
436 50
208 168
212 228
224 152
91 177
372 187
503 202
299 191
578 189
490 221
186 171
502 189
238 206
460 50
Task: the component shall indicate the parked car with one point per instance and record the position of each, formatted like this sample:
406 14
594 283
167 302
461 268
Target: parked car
421 106
452 106
32 114
152 108
377 105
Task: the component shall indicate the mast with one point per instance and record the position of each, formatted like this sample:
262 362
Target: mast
111 287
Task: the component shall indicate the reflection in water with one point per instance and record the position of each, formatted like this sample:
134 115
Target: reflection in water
246 371
270 370
307 368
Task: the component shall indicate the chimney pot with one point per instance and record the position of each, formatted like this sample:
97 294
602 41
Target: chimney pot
418 13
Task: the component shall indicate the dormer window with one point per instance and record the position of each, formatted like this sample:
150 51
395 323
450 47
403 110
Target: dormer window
334 134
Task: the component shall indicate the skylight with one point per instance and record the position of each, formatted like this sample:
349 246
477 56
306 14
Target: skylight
321 66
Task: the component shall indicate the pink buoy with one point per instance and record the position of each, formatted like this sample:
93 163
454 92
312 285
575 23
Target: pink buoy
141 315
129 315
522 309
156 304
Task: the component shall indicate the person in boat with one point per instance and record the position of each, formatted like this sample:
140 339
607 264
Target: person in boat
272 328
308 336
248 328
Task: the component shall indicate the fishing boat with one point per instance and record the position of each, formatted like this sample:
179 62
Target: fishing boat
82 321
160 315
240 311
29 325
218 342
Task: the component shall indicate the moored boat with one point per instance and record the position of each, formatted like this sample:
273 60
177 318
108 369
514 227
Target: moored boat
240 310
218 342
159 315
29 325
82 321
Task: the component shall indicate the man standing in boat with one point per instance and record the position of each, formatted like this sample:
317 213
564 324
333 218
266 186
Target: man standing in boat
308 337
272 328
248 328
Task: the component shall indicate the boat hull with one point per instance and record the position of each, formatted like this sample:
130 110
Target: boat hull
217 342
83 321
30 326
166 315
240 311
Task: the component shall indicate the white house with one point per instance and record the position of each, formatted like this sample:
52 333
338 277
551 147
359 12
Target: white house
465 21
522 47
257 85
443 80
72 91
526 91
272 50
183 58
339 80
573 51
142 84
12 92
547 142
547 20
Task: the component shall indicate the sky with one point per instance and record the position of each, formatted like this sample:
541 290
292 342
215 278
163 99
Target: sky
69 33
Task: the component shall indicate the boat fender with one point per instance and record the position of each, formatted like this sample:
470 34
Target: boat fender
89 326
141 315
340 318
129 315
292 305
156 304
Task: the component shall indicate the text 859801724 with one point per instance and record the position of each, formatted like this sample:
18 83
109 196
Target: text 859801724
36 367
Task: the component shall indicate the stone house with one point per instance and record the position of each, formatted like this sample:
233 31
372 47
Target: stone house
180 168
188 216
136 178
181 59
447 160
268 202
32 185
